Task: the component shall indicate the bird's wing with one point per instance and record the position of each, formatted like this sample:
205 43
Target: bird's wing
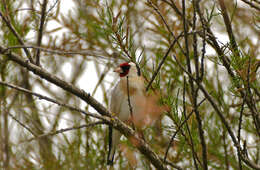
116 100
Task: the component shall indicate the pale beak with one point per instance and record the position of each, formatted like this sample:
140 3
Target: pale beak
118 70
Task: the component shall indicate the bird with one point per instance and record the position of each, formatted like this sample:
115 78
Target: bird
131 88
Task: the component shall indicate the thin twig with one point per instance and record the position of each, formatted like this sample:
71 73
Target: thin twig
241 114
248 90
20 40
171 164
51 100
40 32
203 53
55 3
165 23
222 118
225 148
129 103
85 52
239 130
229 30
64 130
226 64
195 91
22 124
187 126
251 4
161 63
187 53
178 129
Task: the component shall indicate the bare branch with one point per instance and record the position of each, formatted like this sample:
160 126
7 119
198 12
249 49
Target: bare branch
64 130
161 63
129 103
229 28
22 124
40 32
252 5
51 100
84 52
195 91
166 24
20 40
239 129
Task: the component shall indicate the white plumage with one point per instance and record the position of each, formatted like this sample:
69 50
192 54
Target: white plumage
119 101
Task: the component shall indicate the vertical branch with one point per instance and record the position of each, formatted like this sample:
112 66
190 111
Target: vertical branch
129 102
255 115
229 28
40 32
186 38
239 131
6 137
187 126
195 51
203 51
4 144
225 149
201 133
195 91
247 86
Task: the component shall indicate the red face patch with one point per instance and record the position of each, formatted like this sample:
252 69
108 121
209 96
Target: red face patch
125 68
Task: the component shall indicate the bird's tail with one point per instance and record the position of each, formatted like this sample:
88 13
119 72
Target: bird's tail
111 148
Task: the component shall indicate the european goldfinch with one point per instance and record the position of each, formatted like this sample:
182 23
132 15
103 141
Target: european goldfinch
119 104
145 108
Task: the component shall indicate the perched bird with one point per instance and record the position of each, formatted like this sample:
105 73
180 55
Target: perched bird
119 103
128 93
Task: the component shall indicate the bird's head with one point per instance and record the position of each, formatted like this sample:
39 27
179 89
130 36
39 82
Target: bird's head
128 69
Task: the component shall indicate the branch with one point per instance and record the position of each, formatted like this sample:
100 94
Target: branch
161 63
178 129
20 40
222 118
251 4
139 143
129 103
227 22
23 125
40 32
239 130
195 91
211 40
165 23
85 52
226 64
194 155
50 100
64 130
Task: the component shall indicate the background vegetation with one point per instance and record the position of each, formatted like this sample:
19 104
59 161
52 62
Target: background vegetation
202 56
